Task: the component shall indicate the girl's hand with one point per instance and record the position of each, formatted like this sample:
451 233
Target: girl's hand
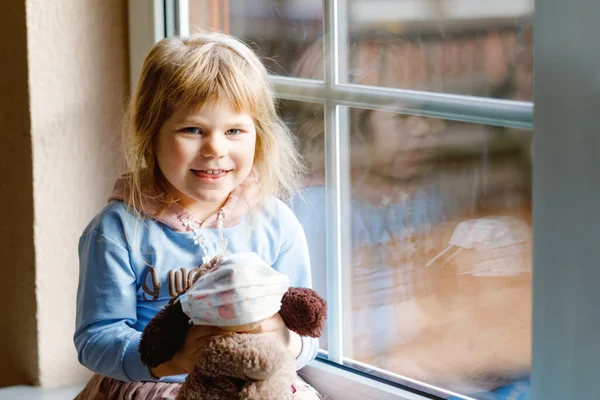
275 327
185 359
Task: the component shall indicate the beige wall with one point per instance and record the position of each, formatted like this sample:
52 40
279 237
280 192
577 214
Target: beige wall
63 91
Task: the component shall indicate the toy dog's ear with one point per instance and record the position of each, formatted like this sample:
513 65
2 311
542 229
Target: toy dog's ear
164 335
303 311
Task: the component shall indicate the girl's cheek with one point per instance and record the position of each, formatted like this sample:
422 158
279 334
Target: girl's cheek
182 152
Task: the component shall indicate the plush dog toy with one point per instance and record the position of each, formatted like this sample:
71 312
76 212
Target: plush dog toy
236 293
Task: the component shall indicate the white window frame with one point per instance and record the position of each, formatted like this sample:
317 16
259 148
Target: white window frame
565 347
566 195
146 27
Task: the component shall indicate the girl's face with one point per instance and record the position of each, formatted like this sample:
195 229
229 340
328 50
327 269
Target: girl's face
401 146
206 153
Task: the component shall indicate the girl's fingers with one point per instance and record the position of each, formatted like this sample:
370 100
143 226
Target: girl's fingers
198 332
274 323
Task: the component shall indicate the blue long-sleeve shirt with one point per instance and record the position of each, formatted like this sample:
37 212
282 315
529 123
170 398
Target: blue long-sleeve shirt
130 268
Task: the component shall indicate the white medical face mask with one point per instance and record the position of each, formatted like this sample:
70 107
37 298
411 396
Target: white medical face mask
500 245
241 289
489 233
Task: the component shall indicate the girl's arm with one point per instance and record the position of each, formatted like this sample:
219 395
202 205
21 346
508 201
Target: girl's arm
294 261
107 309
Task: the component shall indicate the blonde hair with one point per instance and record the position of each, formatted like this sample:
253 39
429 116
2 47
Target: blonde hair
187 73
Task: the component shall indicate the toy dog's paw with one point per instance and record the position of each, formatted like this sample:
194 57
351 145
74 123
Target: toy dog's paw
263 357
204 388
267 390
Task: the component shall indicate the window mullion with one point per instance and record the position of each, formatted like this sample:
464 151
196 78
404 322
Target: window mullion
170 18
336 182
333 231
339 38
182 17
478 110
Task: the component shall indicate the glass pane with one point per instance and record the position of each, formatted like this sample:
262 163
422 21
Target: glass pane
453 46
278 30
440 278
307 122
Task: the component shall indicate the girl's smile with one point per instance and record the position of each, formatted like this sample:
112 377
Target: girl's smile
211 175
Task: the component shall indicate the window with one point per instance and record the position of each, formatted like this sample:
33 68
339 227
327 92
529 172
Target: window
416 118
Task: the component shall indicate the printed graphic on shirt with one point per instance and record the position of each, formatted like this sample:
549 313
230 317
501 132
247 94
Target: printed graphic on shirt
178 281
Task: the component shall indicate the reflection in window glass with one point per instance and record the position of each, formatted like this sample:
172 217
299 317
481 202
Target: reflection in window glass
277 29
441 246
454 46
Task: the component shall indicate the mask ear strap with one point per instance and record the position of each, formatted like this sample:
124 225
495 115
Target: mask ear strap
222 240
451 256
440 254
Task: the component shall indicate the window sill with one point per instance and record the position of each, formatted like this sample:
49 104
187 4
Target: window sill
339 383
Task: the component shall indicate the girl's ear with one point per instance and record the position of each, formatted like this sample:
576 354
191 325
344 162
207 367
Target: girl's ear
164 335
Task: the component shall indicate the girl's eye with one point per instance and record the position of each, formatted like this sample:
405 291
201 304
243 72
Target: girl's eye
191 130
234 132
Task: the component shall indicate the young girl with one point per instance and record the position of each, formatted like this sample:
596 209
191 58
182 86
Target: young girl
208 157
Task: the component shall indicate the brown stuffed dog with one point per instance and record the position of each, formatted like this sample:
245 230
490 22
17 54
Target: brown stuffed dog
237 366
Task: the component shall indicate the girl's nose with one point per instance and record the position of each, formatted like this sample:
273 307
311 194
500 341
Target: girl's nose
418 126
215 145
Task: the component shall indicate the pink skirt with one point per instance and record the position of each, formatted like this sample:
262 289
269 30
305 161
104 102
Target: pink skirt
103 388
